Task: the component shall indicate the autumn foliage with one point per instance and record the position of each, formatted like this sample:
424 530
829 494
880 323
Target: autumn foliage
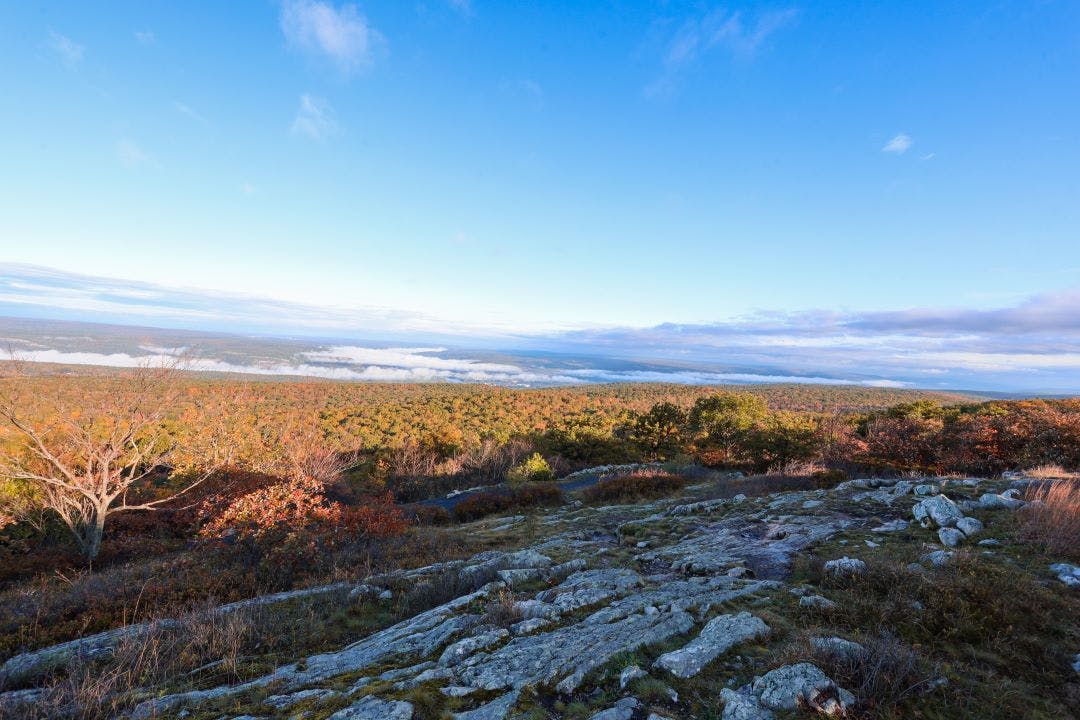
301 506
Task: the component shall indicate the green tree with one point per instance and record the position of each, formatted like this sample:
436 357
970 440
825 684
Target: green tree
721 423
659 432
782 438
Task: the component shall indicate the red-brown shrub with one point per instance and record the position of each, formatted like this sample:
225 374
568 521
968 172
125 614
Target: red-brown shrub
481 505
489 503
634 486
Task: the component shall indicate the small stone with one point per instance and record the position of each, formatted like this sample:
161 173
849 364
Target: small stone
845 566
891 526
938 558
630 674
817 602
871 544
837 646
457 691
743 706
642 545
990 542
926 490
1066 573
1076 664
811 504
736 572
623 710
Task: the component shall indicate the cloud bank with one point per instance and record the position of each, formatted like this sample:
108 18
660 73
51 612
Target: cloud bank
1033 345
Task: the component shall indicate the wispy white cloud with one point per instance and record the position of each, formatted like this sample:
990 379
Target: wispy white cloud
247 189
736 33
525 90
185 109
145 37
899 144
67 50
342 35
129 153
465 7
315 118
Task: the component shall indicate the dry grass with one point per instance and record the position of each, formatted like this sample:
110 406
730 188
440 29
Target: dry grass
1052 517
201 642
884 677
503 611
1049 471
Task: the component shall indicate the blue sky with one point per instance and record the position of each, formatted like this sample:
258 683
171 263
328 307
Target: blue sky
558 166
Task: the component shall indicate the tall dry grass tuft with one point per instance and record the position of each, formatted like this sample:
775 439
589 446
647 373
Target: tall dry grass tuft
1048 471
202 642
1052 517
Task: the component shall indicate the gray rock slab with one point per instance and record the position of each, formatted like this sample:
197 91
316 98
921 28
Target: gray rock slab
717 637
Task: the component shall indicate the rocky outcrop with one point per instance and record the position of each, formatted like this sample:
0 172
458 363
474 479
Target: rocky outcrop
717 637
372 708
631 577
766 548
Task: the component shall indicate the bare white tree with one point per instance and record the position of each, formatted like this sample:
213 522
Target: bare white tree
97 458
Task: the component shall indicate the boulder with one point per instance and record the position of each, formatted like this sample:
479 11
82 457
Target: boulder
950 537
717 637
969 526
803 684
937 510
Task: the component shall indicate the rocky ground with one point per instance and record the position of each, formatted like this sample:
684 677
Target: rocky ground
876 598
